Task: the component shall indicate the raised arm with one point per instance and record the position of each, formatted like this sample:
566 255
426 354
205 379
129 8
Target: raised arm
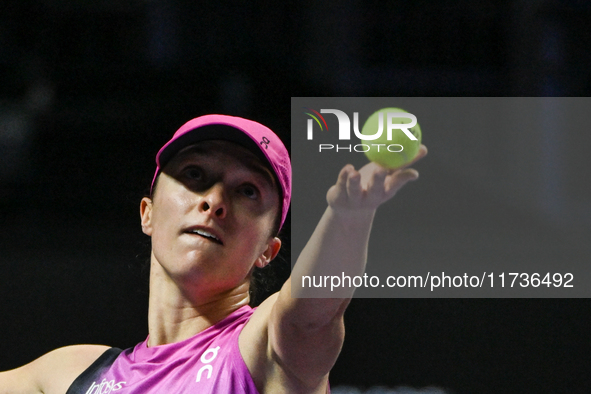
306 334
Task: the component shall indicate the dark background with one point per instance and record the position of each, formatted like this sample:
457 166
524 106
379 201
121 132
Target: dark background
89 91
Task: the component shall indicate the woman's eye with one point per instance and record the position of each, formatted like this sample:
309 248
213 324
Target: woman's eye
194 173
249 191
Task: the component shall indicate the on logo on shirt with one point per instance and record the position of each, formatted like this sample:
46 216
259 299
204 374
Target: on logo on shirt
206 358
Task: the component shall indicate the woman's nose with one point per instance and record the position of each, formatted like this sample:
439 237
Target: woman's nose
214 201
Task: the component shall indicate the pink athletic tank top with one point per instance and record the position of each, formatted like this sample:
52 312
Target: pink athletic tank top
209 362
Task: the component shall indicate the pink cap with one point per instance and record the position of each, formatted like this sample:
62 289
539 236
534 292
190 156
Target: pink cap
255 137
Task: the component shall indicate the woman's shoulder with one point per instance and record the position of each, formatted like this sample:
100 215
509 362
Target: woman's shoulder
53 372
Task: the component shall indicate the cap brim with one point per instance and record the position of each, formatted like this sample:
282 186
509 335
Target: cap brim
210 132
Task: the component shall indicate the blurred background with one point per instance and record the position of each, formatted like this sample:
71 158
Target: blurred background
89 91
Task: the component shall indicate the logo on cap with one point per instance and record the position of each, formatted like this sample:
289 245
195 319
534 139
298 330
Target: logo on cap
265 141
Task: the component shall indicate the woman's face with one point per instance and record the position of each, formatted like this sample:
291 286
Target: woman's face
212 215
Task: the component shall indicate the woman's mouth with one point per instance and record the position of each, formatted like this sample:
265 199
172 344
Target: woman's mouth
206 234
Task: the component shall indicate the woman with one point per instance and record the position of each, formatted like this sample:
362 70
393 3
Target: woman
220 194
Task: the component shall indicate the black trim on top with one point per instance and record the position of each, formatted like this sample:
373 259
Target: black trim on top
89 376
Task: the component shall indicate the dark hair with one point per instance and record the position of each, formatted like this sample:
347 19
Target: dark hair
268 280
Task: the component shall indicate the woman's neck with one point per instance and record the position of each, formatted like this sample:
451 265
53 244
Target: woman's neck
176 313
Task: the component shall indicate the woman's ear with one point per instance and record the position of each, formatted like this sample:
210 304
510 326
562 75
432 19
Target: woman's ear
146 215
273 247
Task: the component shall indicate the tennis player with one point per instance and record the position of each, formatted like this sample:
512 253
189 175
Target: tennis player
220 195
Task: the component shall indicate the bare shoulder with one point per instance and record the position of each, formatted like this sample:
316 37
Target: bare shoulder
254 343
254 338
51 373
281 356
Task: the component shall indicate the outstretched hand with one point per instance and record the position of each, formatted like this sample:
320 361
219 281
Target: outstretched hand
371 186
